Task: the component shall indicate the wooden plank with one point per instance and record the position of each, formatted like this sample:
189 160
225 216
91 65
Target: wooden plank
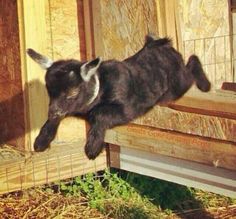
71 129
120 27
11 91
96 18
217 103
229 86
88 29
232 4
189 123
60 162
186 173
187 147
173 23
33 35
81 29
65 41
113 155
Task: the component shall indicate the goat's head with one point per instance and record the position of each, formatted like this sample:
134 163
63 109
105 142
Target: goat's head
68 80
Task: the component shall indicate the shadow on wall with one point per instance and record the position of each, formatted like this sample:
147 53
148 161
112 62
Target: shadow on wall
12 113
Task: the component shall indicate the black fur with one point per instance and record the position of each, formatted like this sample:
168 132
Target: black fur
129 88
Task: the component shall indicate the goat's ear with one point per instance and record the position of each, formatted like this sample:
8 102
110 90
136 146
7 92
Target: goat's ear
43 61
88 69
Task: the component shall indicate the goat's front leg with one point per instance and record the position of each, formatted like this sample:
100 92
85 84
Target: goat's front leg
46 134
101 119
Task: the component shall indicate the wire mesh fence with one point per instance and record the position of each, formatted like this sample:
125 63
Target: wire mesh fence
216 55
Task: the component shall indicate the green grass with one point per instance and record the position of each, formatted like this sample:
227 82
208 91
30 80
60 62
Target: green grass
122 194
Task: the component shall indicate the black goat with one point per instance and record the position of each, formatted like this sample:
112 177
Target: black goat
111 93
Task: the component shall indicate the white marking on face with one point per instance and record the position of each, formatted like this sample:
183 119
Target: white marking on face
95 90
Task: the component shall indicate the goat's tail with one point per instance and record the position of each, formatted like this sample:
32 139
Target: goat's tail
194 66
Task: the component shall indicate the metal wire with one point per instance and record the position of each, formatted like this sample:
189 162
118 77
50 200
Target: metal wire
216 55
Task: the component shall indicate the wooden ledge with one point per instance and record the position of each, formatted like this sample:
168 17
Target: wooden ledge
187 147
211 115
218 103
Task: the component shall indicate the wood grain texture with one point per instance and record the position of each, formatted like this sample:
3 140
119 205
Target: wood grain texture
215 103
187 147
190 123
33 35
60 162
62 22
168 22
124 25
211 43
12 122
65 36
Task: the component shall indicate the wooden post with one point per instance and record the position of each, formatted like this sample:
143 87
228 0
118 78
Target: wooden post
32 28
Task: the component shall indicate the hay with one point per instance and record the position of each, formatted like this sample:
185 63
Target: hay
41 202
37 203
8 152
228 212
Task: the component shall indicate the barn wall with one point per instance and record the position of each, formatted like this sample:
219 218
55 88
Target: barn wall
124 25
12 125
205 31
63 36
202 27
121 29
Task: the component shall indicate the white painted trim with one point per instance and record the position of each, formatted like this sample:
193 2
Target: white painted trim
192 174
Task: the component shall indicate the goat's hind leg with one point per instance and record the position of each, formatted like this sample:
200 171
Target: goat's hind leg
193 73
195 68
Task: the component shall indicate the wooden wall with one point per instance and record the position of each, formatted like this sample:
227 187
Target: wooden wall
202 27
119 31
64 35
53 28
205 30
12 124
124 25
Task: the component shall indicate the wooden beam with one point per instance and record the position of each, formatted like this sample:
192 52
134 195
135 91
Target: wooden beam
189 123
188 147
32 28
89 29
97 28
229 86
60 162
113 155
218 103
183 172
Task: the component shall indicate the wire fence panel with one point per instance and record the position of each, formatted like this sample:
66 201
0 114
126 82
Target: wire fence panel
216 55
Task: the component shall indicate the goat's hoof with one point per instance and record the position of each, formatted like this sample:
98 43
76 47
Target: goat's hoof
39 145
91 152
